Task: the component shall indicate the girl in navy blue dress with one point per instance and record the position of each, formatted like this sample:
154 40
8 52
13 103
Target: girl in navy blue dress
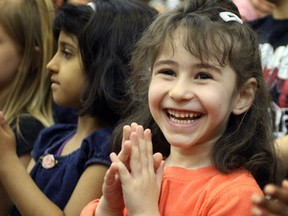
87 74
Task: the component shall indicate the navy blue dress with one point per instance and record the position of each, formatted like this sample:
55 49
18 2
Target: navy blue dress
58 182
29 128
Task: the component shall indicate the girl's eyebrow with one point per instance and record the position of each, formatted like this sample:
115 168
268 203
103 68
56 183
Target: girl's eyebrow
162 62
65 43
196 66
207 66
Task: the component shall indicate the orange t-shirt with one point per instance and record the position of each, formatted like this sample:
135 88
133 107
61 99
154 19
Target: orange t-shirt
201 192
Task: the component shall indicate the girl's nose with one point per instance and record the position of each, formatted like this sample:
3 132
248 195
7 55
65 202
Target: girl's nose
181 91
52 65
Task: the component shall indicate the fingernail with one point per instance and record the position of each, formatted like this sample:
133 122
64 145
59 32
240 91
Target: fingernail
285 183
270 189
256 198
256 211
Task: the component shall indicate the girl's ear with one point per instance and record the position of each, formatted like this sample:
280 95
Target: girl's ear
245 97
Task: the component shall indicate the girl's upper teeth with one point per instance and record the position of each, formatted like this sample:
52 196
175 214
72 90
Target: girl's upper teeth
178 114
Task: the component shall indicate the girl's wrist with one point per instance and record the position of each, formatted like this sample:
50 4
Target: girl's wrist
103 209
149 212
8 163
105 212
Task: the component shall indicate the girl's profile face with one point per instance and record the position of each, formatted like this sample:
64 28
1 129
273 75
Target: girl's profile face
190 101
10 59
67 77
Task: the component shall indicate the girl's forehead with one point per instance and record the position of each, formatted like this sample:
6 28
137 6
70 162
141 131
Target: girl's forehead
173 41
68 37
178 39
177 46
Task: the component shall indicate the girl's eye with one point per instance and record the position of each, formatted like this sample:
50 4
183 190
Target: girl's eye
167 72
66 53
203 75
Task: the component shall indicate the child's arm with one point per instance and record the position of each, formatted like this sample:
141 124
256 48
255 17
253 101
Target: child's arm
5 203
13 174
140 186
112 203
25 194
277 206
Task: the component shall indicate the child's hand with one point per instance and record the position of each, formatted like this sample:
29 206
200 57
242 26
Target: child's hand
124 154
141 186
263 7
7 139
112 202
277 206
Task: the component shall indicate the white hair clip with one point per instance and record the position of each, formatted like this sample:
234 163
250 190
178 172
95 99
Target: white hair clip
92 5
229 16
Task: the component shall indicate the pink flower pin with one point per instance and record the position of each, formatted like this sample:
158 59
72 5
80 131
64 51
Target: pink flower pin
48 161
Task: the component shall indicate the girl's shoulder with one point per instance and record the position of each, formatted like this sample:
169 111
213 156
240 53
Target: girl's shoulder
51 137
208 190
96 148
210 176
232 191
57 130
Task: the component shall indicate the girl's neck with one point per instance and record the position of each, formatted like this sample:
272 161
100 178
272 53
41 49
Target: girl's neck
87 124
189 159
281 11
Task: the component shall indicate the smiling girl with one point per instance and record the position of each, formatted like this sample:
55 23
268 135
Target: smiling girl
197 84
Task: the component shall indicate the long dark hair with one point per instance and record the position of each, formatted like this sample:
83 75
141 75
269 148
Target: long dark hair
106 47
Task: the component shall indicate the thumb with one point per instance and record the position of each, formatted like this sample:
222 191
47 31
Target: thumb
123 172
